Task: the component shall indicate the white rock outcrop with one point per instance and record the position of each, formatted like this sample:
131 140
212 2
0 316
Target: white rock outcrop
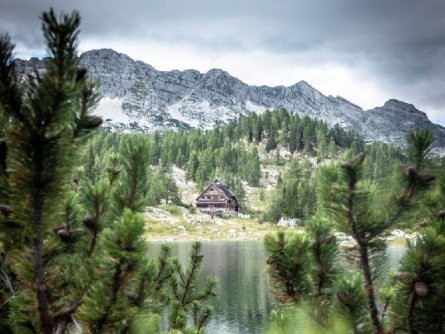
137 97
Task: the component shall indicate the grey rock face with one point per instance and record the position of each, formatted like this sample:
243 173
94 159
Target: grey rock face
137 97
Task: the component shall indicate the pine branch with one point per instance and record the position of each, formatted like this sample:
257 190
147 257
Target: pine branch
43 117
410 313
205 295
165 272
132 197
10 94
41 284
190 277
352 169
7 281
115 287
369 288
199 322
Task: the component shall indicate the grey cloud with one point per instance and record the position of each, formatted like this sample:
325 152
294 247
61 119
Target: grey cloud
401 41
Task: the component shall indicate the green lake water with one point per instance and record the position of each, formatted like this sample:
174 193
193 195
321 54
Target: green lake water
244 299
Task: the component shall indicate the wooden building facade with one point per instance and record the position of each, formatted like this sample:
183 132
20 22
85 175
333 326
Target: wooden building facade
217 197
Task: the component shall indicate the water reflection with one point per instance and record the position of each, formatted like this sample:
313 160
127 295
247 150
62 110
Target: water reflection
244 299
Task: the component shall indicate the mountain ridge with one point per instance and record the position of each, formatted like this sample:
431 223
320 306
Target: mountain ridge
137 97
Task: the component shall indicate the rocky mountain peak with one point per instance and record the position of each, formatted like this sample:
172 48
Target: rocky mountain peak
400 106
303 84
216 72
137 97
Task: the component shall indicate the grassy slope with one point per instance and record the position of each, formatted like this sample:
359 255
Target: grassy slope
179 224
176 223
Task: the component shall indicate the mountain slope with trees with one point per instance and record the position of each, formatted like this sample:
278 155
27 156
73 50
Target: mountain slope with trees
137 97
73 253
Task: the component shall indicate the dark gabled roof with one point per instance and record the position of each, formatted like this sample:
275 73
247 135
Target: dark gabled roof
224 188
221 186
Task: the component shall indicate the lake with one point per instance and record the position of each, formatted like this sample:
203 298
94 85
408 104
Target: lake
244 299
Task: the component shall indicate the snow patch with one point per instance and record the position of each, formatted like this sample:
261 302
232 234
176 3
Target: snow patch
200 114
176 112
440 151
110 109
114 116
255 107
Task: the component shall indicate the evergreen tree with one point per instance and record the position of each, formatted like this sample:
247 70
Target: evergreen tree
47 118
332 149
303 266
133 185
416 290
253 168
187 299
56 266
412 299
240 193
271 143
356 207
288 265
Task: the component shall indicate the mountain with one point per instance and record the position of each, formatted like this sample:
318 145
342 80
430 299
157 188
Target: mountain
137 97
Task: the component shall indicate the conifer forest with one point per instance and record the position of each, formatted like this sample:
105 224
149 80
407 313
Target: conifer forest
75 255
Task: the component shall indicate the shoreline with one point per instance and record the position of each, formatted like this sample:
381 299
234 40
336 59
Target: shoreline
190 238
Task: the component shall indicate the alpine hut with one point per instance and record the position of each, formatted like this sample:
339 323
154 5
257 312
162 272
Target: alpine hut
217 197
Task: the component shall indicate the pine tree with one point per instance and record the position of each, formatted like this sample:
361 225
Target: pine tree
57 267
303 266
288 265
48 116
412 299
356 207
417 289
187 299
332 149
132 188
271 143
253 168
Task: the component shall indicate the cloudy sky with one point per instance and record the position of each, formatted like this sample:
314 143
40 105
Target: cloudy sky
366 51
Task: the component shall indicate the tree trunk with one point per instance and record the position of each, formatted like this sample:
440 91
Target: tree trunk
40 282
369 288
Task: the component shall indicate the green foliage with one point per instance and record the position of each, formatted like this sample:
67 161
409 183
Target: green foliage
419 288
131 189
350 301
356 207
187 299
146 323
288 265
305 320
162 187
71 238
294 196
47 118
412 299
324 248
112 295
303 266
